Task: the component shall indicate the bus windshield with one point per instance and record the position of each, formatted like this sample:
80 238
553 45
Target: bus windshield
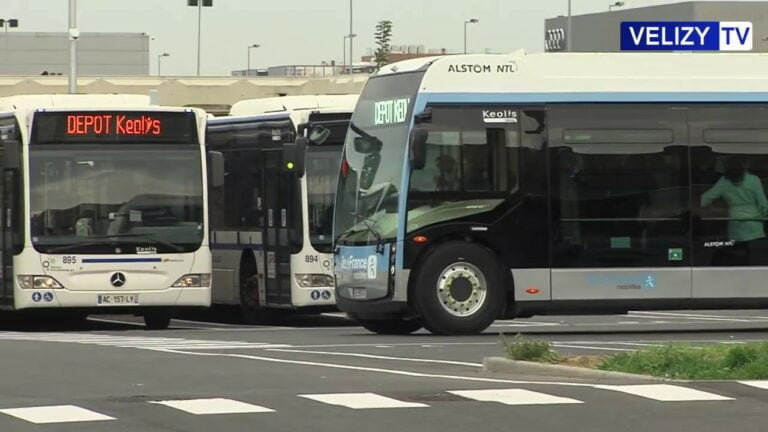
372 164
322 167
113 198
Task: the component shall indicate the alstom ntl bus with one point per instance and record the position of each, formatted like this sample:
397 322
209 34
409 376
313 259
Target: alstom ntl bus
104 206
486 186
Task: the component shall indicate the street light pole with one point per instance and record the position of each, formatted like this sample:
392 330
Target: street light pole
471 21
158 61
199 31
351 41
74 34
6 23
248 71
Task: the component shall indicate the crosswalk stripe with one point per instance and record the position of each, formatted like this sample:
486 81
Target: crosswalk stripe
213 406
514 397
362 400
55 414
761 384
665 392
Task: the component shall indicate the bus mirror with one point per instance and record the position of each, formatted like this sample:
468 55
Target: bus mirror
216 172
319 134
418 148
11 154
294 156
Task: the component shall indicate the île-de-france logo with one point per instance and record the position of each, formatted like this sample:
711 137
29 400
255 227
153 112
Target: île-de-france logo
649 282
372 265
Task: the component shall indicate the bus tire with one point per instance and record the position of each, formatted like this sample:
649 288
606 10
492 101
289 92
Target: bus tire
157 320
250 307
392 326
459 289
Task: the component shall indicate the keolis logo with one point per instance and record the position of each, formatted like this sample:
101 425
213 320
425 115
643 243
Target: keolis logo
686 36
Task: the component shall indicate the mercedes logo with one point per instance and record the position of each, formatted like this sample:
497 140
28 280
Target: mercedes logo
117 279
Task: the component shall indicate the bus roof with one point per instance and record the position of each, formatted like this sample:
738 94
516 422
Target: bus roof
569 76
32 102
294 103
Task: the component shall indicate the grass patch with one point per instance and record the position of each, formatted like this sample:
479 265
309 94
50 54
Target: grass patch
529 350
709 362
747 361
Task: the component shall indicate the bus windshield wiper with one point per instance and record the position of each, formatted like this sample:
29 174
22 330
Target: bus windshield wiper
149 236
365 134
152 237
367 227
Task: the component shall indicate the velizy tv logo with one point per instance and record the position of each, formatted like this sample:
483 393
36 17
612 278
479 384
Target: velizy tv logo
686 36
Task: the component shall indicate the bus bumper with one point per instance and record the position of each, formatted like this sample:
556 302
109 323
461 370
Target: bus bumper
64 298
373 309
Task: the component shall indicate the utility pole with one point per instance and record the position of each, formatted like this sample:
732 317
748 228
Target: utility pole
199 4
351 40
74 35
569 30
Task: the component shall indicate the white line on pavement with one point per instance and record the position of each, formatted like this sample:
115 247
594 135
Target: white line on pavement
378 357
665 392
362 400
213 406
514 397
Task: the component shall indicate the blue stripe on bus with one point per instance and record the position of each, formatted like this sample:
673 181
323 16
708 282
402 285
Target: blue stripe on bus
541 97
120 260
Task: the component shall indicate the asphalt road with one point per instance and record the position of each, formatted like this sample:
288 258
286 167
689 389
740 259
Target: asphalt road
326 374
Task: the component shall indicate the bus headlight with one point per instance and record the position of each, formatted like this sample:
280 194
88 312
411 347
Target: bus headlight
314 280
38 282
193 281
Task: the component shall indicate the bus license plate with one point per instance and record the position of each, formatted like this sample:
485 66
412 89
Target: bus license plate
117 299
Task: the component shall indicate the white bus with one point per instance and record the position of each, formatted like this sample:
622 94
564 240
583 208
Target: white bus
104 206
487 186
271 228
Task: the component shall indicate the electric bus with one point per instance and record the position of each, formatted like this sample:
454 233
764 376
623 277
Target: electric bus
486 186
271 227
104 206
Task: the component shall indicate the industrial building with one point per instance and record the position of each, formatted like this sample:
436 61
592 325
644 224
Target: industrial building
599 32
98 54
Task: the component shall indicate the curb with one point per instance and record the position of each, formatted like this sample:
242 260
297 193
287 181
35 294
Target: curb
502 365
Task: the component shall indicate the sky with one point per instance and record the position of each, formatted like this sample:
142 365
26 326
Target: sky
303 31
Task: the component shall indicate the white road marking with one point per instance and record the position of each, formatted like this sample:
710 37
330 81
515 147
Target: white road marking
514 397
665 392
213 406
371 356
406 344
695 317
362 400
55 414
138 342
373 369
137 323
761 384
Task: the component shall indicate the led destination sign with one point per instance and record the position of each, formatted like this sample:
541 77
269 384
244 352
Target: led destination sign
103 126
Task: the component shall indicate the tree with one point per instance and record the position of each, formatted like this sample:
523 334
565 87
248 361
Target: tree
383 37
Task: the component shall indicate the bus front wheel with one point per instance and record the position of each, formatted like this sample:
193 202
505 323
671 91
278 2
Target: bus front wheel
459 289
391 326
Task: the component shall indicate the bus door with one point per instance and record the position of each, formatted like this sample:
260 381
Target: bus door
729 173
620 194
277 229
9 190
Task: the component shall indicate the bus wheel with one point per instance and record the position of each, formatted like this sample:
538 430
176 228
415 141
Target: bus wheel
157 320
392 326
459 289
250 309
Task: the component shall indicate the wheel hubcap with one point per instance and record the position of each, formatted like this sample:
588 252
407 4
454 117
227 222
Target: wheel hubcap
462 289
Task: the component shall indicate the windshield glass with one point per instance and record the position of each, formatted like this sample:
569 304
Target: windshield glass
322 167
372 167
116 198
